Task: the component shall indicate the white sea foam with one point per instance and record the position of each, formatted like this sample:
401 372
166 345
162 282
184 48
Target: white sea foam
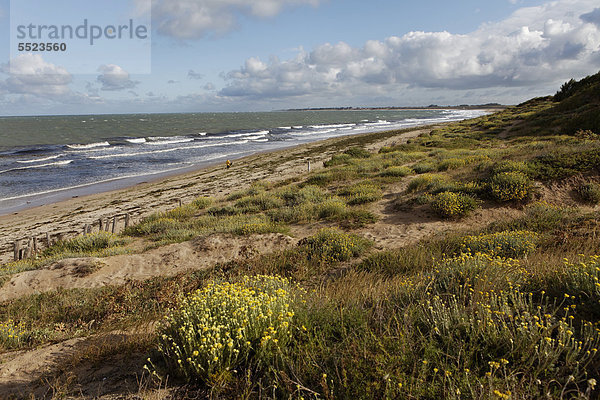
88 146
285 127
141 153
136 140
260 140
238 135
39 159
171 141
331 126
57 163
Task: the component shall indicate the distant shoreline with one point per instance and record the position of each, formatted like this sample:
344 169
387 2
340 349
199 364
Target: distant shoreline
491 106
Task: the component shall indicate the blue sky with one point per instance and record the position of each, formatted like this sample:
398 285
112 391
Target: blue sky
238 55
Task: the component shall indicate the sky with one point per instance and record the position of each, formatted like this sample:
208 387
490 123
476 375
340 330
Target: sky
262 55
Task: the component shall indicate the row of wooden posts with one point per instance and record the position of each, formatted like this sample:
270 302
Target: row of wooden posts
105 224
33 243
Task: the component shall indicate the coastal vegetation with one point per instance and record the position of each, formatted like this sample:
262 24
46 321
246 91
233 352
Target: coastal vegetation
502 301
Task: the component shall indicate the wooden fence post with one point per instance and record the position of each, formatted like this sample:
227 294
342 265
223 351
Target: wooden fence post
114 225
126 220
17 249
48 243
35 246
101 225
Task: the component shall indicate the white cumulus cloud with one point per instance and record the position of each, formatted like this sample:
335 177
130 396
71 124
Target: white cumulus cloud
188 19
29 74
114 77
534 46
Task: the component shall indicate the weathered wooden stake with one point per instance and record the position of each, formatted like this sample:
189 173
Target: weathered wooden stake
308 165
101 225
114 227
17 249
85 228
21 253
180 203
35 247
48 243
126 220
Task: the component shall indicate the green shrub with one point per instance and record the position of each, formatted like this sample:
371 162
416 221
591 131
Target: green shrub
357 152
331 209
225 326
589 192
330 245
307 194
152 225
510 186
510 166
225 210
423 167
259 202
423 181
338 159
258 227
183 213
396 171
511 244
202 202
361 193
452 205
87 243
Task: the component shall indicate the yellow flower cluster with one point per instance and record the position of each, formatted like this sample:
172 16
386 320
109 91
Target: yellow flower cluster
255 227
502 244
222 325
583 276
451 204
509 186
11 334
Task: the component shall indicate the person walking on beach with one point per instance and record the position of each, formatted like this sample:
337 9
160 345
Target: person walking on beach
228 164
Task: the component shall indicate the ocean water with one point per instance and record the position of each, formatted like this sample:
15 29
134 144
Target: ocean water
44 159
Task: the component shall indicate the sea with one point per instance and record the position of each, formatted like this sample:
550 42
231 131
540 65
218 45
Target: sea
45 159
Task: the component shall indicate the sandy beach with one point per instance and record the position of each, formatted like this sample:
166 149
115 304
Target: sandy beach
68 217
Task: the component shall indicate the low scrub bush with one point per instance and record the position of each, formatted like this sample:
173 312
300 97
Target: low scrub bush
330 245
510 186
424 166
361 193
87 243
511 244
396 172
589 192
357 152
202 202
452 205
259 202
225 326
425 180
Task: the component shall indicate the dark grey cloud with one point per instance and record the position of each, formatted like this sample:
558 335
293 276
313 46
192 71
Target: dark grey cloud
593 17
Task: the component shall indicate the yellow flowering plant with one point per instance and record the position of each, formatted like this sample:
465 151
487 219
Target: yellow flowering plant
226 325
